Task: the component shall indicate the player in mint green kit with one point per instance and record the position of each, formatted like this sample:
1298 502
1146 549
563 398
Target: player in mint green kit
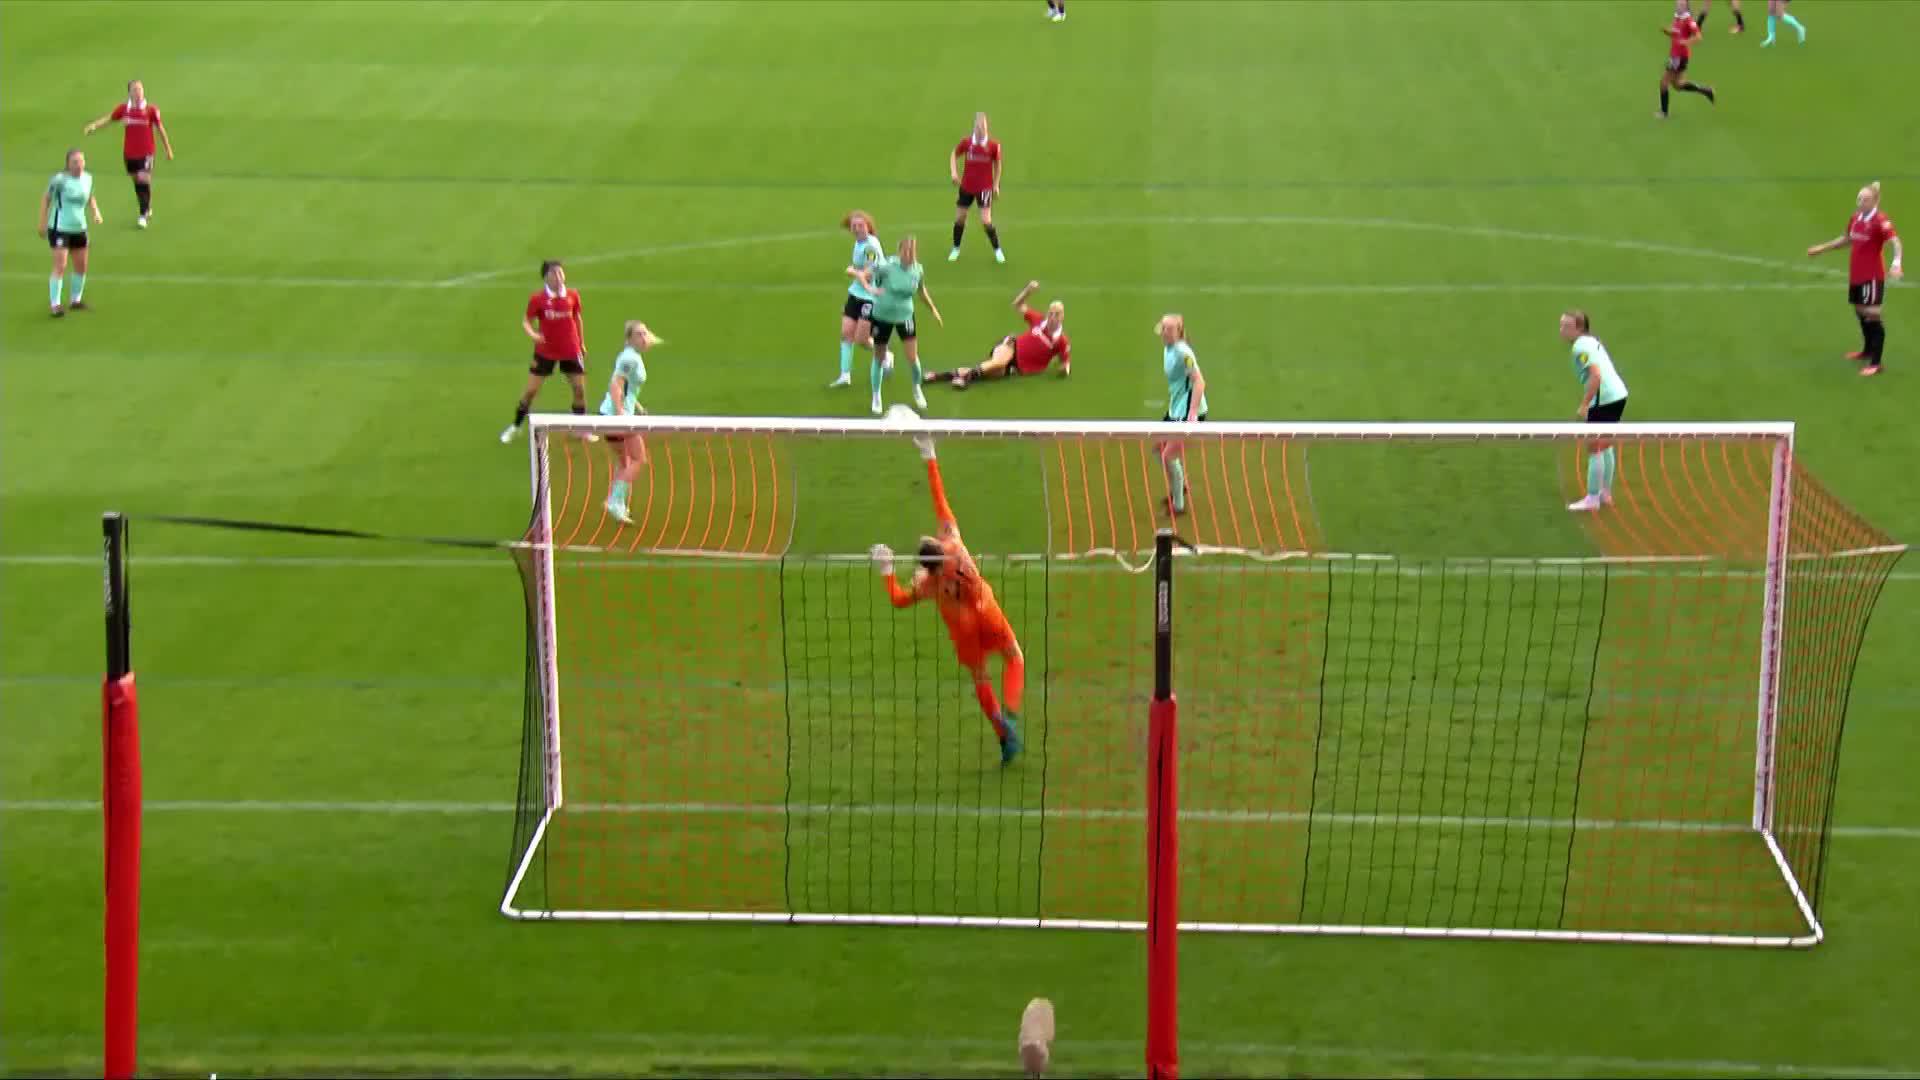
895 282
1186 403
856 315
623 399
1603 400
64 207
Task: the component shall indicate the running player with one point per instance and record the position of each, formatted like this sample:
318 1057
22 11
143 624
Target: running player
1869 232
63 221
1022 354
1603 399
979 629
623 399
142 121
1685 34
895 282
1777 13
856 315
1186 404
979 182
553 320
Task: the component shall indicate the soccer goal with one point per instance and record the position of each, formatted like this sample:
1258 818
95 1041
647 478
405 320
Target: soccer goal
1417 696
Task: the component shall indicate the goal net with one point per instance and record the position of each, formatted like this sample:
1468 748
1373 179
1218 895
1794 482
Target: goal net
1417 696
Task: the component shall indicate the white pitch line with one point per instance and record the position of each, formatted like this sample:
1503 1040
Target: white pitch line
1436 288
932 810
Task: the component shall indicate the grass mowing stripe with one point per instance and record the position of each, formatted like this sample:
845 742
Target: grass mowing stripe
703 1045
1212 817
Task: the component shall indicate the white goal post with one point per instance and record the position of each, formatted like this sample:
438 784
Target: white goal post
1496 720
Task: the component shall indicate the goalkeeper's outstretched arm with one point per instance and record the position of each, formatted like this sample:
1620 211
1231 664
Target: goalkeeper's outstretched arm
942 512
897 596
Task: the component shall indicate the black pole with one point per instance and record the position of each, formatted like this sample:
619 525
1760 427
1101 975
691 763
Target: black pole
113 527
1163 615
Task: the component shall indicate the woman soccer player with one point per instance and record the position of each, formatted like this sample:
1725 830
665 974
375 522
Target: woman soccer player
895 282
1021 354
1603 399
63 221
856 315
1869 231
1685 34
948 576
623 399
1777 13
979 182
1186 403
142 120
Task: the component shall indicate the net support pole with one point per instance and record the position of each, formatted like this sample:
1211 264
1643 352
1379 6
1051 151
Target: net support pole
1773 609
120 799
1163 851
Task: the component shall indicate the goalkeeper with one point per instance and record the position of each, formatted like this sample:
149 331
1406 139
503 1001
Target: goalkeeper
979 629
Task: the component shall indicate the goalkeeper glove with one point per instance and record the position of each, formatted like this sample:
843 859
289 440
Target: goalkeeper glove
924 443
882 558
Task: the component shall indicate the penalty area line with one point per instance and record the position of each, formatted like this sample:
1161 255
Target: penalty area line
421 807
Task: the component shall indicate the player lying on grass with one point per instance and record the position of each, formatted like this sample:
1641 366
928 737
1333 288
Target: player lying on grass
979 629
1021 354
623 399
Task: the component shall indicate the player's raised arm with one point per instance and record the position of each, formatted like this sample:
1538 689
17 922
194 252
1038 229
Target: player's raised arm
100 123
899 597
942 511
1020 299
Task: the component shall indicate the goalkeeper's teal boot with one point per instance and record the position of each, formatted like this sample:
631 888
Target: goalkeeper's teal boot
1010 744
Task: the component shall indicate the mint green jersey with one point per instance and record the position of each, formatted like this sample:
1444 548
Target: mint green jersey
67 197
1590 355
1179 364
896 285
630 367
867 254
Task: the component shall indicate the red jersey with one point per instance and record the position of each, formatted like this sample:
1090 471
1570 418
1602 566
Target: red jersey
558 319
139 121
1684 29
1868 235
976 176
1034 350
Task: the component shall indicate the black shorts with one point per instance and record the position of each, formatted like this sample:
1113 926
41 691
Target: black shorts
883 331
1676 64
857 309
1867 293
968 198
543 367
71 241
139 164
1608 413
1172 419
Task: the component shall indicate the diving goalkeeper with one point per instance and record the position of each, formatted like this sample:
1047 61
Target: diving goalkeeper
979 629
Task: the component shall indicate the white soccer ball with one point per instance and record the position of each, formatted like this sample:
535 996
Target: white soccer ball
901 416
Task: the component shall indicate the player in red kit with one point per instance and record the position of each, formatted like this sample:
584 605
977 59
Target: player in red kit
142 121
1869 231
1685 33
975 168
559 336
1029 353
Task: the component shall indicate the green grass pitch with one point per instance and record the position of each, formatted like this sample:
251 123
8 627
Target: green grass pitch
1366 210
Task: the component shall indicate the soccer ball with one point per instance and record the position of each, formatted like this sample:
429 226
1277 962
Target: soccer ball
901 416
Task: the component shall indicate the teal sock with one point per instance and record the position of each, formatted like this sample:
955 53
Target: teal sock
1177 479
1596 473
79 287
1790 21
53 289
846 358
1613 467
1771 20
620 492
873 373
918 375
